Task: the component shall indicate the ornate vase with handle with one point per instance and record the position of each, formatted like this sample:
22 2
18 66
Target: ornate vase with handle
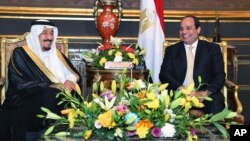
107 22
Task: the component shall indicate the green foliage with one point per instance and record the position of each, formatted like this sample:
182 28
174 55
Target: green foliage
137 106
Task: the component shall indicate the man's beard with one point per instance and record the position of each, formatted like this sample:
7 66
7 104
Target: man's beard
46 48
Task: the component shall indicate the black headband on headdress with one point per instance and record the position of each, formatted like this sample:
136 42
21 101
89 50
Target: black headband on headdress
42 23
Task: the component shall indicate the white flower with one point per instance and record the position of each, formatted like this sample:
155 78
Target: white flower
142 84
118 132
97 125
172 115
118 59
168 130
54 116
124 101
107 105
115 41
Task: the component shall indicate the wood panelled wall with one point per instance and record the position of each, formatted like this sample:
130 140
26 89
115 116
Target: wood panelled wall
75 21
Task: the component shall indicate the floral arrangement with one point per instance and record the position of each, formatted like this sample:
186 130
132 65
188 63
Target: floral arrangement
115 52
128 107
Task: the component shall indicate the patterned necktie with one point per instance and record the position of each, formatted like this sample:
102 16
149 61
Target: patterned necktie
190 66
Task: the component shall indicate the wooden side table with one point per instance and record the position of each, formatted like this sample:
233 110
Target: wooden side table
96 75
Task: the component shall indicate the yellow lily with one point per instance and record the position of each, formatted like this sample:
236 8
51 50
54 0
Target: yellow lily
187 90
78 90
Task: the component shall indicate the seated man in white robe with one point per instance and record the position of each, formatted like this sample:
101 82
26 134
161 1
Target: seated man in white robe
36 73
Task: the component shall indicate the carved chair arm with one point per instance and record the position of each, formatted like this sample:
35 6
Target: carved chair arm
234 88
2 81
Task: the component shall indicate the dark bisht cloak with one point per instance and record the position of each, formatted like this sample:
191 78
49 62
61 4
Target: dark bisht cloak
29 85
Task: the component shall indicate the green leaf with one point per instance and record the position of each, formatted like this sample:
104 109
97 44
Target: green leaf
110 135
48 131
131 128
148 111
208 98
137 85
61 102
222 129
73 105
113 86
199 79
62 134
130 120
124 71
53 116
171 93
67 92
231 115
40 116
95 87
101 86
142 52
45 110
219 116
177 94
175 103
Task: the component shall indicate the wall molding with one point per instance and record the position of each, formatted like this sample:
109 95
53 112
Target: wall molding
79 12
126 38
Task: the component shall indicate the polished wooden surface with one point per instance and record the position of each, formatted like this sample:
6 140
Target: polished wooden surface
97 75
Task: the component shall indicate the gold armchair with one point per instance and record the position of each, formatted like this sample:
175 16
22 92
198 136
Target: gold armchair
230 89
8 44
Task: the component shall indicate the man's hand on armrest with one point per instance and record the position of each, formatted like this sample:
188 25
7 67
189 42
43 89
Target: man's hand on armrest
68 85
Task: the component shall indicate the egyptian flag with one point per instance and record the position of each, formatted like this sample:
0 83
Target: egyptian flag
151 35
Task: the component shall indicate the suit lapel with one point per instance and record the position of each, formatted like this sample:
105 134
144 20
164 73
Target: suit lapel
198 57
183 57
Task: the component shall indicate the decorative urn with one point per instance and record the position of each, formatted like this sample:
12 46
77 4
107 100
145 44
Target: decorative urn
107 22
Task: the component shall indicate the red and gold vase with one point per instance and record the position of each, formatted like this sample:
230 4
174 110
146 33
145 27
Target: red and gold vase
107 22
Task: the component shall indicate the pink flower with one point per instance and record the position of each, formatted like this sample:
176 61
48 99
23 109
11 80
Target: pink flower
192 131
131 133
156 132
108 94
121 109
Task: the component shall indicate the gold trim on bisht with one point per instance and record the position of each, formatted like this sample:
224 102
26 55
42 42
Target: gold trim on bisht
59 54
40 64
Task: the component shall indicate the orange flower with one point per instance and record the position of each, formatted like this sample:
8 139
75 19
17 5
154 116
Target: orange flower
144 123
66 111
141 94
142 128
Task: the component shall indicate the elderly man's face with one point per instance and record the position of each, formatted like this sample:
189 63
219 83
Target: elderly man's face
46 38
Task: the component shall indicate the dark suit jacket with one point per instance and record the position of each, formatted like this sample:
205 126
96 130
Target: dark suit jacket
208 64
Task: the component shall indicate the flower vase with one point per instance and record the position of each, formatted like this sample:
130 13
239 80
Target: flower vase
107 22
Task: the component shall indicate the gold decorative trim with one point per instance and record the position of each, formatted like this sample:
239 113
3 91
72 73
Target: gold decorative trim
40 64
66 64
123 37
126 13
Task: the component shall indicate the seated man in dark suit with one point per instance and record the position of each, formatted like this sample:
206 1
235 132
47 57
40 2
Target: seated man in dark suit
190 58
36 73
